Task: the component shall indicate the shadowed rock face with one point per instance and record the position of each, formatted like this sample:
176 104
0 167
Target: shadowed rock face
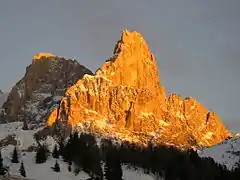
42 87
3 97
125 99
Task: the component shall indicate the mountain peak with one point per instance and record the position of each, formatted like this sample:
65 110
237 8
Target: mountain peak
42 86
131 36
131 41
43 54
125 99
132 63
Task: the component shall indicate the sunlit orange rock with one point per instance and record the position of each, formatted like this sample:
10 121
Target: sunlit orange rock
125 99
43 54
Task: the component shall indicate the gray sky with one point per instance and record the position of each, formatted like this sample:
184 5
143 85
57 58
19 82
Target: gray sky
196 42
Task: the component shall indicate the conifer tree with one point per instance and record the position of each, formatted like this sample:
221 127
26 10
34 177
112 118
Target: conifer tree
61 147
22 170
76 170
42 154
94 157
113 169
66 151
25 125
15 155
55 152
1 160
56 167
2 169
69 166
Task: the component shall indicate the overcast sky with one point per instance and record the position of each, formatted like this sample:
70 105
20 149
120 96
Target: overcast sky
196 42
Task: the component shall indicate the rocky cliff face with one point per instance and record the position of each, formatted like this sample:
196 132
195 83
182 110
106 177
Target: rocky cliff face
3 97
42 87
1 100
125 99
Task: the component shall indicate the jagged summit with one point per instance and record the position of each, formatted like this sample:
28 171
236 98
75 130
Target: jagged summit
128 38
40 57
43 54
125 99
132 63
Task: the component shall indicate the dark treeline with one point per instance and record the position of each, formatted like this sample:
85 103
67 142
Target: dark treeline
83 153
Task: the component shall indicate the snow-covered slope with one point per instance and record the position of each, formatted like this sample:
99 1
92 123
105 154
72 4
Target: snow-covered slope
226 152
12 134
44 171
24 139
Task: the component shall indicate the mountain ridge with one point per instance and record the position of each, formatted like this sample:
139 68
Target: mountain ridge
42 86
124 98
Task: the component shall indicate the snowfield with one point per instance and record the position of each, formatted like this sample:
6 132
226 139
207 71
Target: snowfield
43 171
24 138
225 153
